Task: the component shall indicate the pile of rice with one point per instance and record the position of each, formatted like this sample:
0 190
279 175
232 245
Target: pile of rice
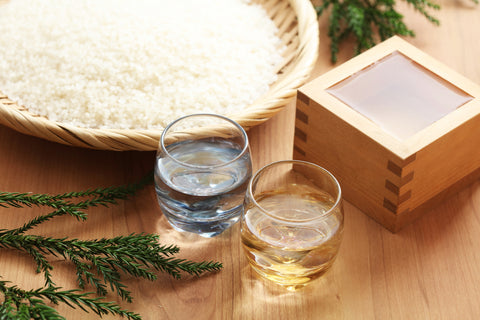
135 64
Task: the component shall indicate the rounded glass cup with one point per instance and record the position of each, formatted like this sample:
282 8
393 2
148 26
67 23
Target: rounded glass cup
202 170
292 224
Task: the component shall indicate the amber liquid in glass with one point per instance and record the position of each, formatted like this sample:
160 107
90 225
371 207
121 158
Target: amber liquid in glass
292 254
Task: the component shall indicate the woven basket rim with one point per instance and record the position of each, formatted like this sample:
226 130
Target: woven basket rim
20 119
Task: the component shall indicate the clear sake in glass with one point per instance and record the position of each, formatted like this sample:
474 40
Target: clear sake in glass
202 170
292 225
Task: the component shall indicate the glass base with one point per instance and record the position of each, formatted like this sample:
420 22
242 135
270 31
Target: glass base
206 229
288 281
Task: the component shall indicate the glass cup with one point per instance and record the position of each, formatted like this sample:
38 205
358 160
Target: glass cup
292 224
202 171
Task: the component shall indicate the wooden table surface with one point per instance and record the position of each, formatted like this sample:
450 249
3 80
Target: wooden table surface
429 270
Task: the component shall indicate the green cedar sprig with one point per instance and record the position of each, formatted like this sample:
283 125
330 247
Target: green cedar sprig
100 196
99 263
21 304
368 20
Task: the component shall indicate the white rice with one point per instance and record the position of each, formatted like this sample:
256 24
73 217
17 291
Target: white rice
135 64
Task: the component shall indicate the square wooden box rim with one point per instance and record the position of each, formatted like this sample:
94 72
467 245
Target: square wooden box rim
418 141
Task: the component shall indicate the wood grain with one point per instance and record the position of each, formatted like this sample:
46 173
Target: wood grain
393 181
429 270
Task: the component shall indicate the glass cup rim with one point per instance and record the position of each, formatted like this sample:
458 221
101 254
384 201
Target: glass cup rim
238 126
273 216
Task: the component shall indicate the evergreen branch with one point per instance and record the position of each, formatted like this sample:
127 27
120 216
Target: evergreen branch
42 265
98 263
422 5
134 254
31 304
367 20
174 267
18 200
83 273
197 268
71 209
101 196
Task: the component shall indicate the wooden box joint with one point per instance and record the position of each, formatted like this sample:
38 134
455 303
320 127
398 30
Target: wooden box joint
392 180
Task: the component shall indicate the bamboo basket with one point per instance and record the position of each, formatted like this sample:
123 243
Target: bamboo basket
298 30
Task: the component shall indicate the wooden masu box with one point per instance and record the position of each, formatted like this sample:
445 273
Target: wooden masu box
393 180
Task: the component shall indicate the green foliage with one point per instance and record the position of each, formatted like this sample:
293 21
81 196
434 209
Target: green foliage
368 20
99 263
31 304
